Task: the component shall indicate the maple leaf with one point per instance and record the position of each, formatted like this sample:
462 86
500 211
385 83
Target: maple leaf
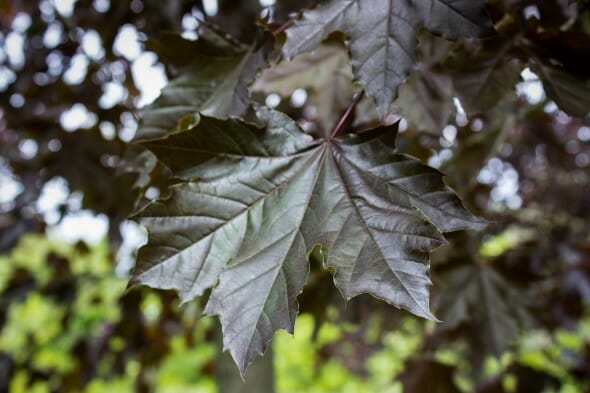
256 201
484 77
570 93
483 295
325 72
382 35
212 76
426 100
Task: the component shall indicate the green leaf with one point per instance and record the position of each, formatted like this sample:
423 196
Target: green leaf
382 35
257 201
481 295
325 72
212 76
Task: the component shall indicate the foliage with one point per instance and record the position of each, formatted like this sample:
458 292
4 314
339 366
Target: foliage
251 229
505 118
382 36
87 345
94 334
220 229
88 340
259 206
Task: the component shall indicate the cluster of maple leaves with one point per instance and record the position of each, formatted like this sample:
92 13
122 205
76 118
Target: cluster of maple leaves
288 189
259 194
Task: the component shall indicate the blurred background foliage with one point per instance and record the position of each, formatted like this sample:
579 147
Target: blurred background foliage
68 325
506 119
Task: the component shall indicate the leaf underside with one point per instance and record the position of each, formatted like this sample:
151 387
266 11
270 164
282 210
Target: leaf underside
256 201
382 35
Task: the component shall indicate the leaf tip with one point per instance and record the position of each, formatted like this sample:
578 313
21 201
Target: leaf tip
131 285
433 318
480 223
424 312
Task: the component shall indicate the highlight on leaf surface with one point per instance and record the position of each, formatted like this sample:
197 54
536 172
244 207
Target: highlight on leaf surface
255 201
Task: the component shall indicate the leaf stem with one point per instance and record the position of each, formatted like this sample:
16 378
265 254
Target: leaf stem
346 114
283 27
289 22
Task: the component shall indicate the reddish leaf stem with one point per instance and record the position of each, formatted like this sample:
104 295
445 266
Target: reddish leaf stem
283 27
346 115
289 22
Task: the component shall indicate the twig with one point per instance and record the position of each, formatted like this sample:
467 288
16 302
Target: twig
347 114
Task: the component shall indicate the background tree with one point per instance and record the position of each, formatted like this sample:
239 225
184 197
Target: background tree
505 118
